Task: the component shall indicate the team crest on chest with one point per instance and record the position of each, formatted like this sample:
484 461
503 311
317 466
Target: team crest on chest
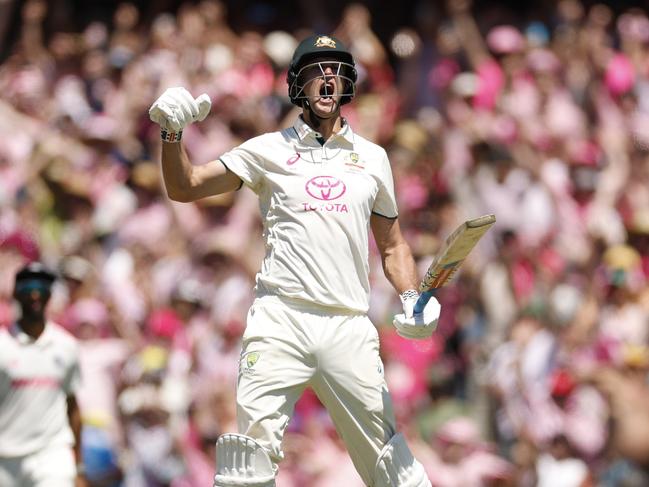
325 41
59 362
354 161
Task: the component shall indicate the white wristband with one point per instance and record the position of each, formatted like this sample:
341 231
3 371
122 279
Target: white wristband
409 294
170 135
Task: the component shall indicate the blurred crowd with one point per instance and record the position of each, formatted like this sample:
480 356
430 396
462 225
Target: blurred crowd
538 373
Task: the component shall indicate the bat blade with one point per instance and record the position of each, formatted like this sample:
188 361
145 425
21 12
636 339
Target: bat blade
451 255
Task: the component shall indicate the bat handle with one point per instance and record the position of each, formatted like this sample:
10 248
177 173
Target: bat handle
423 300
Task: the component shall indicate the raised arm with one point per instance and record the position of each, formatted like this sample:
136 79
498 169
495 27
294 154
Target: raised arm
186 182
173 111
33 15
468 33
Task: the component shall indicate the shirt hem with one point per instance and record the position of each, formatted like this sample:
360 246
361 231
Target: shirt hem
226 166
388 217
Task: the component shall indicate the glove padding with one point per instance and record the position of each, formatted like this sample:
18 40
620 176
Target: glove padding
176 108
420 325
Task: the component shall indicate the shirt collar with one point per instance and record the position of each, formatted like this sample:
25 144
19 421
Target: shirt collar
24 339
303 131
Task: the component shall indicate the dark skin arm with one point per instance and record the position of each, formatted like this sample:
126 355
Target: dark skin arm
468 33
74 418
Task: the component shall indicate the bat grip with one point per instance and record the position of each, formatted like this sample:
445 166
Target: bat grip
423 301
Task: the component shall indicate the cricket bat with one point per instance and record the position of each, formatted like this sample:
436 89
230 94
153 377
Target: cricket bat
451 255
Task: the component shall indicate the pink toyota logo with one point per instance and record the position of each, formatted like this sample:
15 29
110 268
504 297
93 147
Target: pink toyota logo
325 188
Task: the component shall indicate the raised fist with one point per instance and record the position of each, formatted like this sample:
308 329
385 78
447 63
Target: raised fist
176 108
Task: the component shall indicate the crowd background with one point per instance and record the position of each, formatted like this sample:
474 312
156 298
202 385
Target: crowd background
537 113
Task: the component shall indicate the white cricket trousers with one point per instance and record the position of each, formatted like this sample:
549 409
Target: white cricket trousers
289 345
51 467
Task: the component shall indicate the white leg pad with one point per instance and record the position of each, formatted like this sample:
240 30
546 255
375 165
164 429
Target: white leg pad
242 462
396 467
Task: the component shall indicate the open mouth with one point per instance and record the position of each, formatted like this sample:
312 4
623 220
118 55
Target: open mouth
327 90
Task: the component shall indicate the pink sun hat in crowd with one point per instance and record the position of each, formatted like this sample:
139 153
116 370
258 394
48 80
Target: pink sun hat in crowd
164 323
460 430
619 77
542 60
20 242
505 39
584 152
89 311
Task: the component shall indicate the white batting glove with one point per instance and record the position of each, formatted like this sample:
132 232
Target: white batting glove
416 326
175 109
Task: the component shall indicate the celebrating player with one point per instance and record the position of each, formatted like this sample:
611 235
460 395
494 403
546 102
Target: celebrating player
40 423
321 188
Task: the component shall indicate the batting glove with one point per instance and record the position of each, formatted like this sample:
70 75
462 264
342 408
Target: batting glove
416 326
175 109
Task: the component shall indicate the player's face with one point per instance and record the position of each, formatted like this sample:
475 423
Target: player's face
323 86
32 299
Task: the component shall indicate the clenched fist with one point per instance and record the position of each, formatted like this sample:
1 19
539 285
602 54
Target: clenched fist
175 109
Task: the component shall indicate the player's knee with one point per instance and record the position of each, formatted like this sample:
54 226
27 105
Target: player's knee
242 461
396 466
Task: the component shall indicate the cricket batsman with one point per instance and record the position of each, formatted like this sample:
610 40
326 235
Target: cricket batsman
321 188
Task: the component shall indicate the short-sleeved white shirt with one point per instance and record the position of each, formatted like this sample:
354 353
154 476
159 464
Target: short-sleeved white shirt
36 376
316 202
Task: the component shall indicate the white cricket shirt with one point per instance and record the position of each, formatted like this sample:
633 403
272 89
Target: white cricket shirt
316 202
36 376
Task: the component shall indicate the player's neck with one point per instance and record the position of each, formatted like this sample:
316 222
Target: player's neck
32 326
325 126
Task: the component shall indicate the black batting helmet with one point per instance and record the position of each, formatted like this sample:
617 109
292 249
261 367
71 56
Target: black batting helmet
34 275
309 50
